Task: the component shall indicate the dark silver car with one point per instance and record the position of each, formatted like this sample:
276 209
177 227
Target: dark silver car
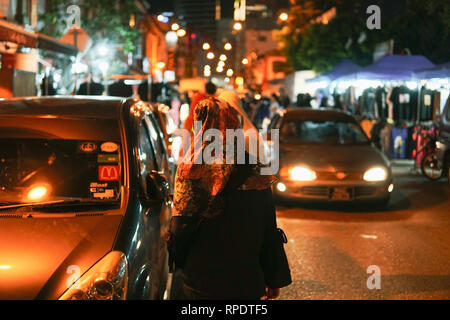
326 156
84 201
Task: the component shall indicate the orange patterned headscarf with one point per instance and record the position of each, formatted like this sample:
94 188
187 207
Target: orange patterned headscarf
200 187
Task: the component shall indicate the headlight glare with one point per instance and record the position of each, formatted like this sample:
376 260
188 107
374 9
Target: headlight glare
302 174
375 174
106 280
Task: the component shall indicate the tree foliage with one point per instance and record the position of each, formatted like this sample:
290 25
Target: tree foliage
423 27
101 19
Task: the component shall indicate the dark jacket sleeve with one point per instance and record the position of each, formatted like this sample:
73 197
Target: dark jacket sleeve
273 257
181 232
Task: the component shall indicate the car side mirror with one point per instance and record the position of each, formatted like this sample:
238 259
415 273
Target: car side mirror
157 187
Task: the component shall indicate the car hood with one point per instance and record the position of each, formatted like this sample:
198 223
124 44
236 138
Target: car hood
350 158
35 253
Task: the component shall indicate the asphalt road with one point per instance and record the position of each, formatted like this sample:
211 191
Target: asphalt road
330 249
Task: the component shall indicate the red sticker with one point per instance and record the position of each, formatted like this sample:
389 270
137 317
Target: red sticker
108 173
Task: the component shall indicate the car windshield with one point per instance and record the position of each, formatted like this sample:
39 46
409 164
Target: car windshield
36 171
322 132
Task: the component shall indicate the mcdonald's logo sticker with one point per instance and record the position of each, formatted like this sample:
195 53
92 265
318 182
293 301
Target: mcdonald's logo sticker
108 173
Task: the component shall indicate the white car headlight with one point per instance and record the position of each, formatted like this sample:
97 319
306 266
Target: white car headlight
375 174
302 174
106 280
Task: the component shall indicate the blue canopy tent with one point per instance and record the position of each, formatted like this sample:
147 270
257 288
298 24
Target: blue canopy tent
439 71
344 67
392 67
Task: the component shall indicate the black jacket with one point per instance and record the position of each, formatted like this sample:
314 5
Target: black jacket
236 254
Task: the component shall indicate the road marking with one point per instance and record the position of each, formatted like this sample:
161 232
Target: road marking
368 236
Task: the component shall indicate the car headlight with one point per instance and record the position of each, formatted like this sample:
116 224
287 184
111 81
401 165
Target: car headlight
302 174
375 174
106 280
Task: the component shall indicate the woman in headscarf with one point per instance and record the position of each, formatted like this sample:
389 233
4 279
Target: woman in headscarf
223 233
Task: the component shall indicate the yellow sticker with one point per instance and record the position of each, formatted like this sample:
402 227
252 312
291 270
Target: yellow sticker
109 147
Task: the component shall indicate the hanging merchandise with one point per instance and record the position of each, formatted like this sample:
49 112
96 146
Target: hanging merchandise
368 101
398 143
380 103
410 143
404 104
349 99
418 137
385 138
426 104
436 105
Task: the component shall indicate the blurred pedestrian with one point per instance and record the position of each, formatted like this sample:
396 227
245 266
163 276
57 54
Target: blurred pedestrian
283 99
223 234
210 89
250 105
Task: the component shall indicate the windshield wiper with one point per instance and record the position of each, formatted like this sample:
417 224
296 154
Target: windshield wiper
23 205
58 204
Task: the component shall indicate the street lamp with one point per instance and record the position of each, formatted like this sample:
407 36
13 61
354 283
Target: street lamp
245 61
162 18
206 46
223 57
171 38
207 71
227 46
221 64
175 26
102 50
181 33
160 65
283 16
237 26
210 56
229 72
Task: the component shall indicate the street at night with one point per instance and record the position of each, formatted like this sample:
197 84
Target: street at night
330 249
233 151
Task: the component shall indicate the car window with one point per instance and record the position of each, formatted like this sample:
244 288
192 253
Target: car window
34 170
322 132
146 152
156 139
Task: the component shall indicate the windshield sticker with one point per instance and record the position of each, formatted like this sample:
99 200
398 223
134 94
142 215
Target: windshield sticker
104 190
109 147
108 158
88 147
108 173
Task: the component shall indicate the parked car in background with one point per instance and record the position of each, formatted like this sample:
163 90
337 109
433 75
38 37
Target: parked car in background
325 156
84 200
